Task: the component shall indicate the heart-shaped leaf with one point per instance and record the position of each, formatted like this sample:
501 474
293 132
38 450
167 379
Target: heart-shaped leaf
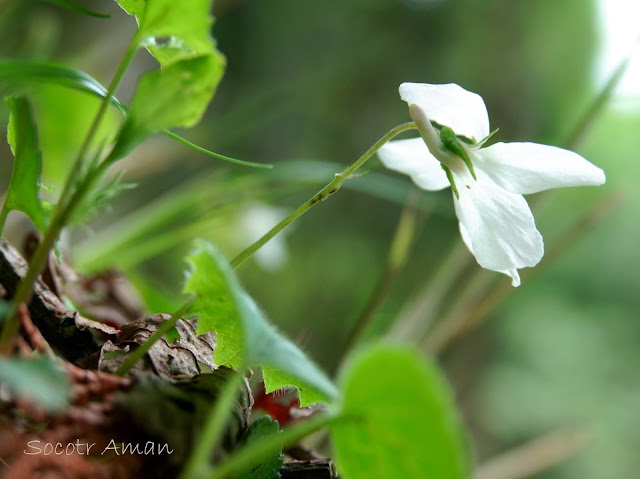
398 419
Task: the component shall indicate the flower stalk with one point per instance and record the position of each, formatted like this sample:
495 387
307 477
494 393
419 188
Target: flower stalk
321 195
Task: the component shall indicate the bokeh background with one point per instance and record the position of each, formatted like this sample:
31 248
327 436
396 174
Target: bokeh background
309 87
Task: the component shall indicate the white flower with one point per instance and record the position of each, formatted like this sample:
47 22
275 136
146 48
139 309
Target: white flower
255 221
495 221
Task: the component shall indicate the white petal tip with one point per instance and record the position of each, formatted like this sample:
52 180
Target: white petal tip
514 275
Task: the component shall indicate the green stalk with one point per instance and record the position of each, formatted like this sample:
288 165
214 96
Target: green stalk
63 211
216 155
249 456
198 463
164 328
321 195
3 218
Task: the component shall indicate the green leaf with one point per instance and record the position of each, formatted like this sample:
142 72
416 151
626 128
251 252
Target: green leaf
270 467
37 379
217 294
24 185
399 419
133 7
77 8
18 74
173 31
245 337
175 96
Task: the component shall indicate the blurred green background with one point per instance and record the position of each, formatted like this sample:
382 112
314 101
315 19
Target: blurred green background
309 87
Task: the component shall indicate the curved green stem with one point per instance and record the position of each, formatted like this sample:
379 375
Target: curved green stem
164 328
321 195
3 218
214 154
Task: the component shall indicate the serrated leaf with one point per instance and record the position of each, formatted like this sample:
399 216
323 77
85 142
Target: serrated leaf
176 96
40 380
275 378
24 185
400 419
173 31
133 7
245 337
270 467
213 283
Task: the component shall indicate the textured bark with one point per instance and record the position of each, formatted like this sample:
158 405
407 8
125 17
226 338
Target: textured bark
55 322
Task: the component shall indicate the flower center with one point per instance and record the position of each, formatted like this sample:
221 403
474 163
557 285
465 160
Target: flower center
444 145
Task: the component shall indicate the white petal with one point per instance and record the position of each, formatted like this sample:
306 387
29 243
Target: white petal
497 226
412 157
450 105
256 220
530 167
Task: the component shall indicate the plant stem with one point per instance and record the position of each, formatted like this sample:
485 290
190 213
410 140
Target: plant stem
198 463
396 259
322 195
3 218
164 328
215 155
252 454
63 210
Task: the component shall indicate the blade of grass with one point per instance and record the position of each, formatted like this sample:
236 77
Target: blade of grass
535 456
